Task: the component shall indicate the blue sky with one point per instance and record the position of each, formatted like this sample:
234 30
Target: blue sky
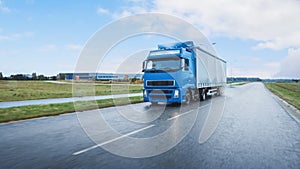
260 38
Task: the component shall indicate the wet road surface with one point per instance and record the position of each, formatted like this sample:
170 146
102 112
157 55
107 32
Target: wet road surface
253 132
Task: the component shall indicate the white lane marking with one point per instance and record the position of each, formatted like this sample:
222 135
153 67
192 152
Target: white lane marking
171 118
174 117
128 134
112 140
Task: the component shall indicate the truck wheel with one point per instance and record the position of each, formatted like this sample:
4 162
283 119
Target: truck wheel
203 95
218 91
196 96
188 98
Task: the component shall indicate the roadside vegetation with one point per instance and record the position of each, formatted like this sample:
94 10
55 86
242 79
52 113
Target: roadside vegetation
31 90
290 92
33 111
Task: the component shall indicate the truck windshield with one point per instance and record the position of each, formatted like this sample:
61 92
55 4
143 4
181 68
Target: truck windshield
163 64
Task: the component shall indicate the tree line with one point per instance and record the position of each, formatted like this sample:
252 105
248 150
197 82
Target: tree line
32 76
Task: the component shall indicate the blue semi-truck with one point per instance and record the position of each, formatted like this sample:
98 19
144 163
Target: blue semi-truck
182 72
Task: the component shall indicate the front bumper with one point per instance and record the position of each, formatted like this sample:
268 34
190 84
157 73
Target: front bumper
162 95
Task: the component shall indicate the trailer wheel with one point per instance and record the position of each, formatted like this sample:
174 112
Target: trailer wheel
218 91
188 98
203 95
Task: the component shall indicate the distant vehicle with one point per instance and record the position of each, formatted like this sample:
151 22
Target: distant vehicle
182 72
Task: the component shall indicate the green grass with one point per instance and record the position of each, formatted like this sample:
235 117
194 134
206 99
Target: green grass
33 111
31 90
290 92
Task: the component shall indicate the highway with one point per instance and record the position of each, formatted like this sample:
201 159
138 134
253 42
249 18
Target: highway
244 128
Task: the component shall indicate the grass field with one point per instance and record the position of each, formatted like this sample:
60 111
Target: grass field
290 92
27 112
31 90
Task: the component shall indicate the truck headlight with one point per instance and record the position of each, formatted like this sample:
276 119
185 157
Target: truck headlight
176 93
145 93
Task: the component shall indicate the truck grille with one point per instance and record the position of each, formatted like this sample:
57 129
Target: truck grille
160 91
160 83
160 97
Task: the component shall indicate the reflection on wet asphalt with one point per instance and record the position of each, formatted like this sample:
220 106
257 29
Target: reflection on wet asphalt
253 132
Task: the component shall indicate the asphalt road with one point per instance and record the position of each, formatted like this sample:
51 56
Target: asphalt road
253 131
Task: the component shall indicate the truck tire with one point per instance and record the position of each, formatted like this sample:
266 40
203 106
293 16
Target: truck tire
195 95
203 95
218 91
188 98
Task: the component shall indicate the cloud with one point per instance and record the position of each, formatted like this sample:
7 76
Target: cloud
47 48
30 1
274 23
255 59
254 66
121 15
4 37
3 8
262 72
16 36
273 65
6 52
290 65
137 7
74 47
102 11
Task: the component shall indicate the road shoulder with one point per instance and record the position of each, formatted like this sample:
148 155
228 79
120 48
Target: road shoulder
290 109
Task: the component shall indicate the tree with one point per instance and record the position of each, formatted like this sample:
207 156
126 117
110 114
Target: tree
41 77
34 76
61 76
1 76
53 78
18 77
132 80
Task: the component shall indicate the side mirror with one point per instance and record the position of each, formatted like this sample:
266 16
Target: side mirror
144 66
189 49
182 64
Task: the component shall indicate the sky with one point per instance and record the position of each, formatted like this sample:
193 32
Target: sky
258 38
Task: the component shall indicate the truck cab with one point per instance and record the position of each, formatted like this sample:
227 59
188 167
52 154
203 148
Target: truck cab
169 73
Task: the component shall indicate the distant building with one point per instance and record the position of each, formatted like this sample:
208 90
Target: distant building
101 76
126 77
29 76
79 76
